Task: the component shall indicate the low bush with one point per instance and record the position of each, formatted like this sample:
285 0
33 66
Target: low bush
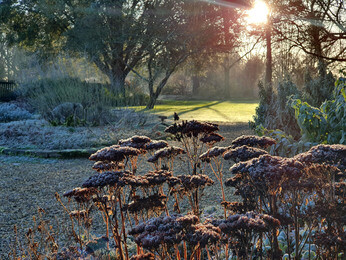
11 112
326 124
289 207
39 134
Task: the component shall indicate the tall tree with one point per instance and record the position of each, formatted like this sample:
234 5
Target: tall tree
313 26
177 38
115 35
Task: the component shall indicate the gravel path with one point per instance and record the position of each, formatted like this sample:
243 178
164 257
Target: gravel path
28 183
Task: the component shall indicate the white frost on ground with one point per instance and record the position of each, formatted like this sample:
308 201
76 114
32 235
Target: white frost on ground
39 134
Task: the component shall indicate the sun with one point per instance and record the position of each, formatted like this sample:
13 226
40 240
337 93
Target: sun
258 14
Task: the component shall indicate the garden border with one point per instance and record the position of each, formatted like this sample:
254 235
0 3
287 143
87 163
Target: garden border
60 154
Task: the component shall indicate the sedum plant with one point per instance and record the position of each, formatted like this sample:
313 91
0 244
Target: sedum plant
289 208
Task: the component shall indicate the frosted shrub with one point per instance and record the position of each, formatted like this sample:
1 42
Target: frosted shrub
11 112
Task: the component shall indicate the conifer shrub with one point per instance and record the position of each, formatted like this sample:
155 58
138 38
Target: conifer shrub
274 112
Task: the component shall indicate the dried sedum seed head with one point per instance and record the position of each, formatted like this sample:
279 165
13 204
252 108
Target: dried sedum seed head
81 194
157 231
334 154
191 182
156 202
234 181
213 152
191 128
79 214
171 230
151 179
155 145
243 153
168 152
250 221
114 153
136 141
253 141
211 138
106 178
107 166
268 169
236 207
187 220
204 234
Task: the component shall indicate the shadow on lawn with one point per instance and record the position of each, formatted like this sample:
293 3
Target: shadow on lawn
198 108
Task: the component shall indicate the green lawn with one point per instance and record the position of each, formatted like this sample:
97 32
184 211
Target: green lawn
217 111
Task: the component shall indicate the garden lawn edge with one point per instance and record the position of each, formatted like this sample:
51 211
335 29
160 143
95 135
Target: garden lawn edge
61 154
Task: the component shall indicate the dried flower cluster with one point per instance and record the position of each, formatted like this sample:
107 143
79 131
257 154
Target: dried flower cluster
171 230
154 202
114 153
211 138
243 153
158 231
252 141
204 234
151 179
250 221
102 166
269 169
167 152
330 154
106 178
136 141
191 182
191 128
236 206
213 152
81 194
156 145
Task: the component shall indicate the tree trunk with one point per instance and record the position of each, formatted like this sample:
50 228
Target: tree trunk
227 88
152 102
269 66
196 84
155 94
117 80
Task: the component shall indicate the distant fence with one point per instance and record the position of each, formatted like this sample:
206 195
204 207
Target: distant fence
7 90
